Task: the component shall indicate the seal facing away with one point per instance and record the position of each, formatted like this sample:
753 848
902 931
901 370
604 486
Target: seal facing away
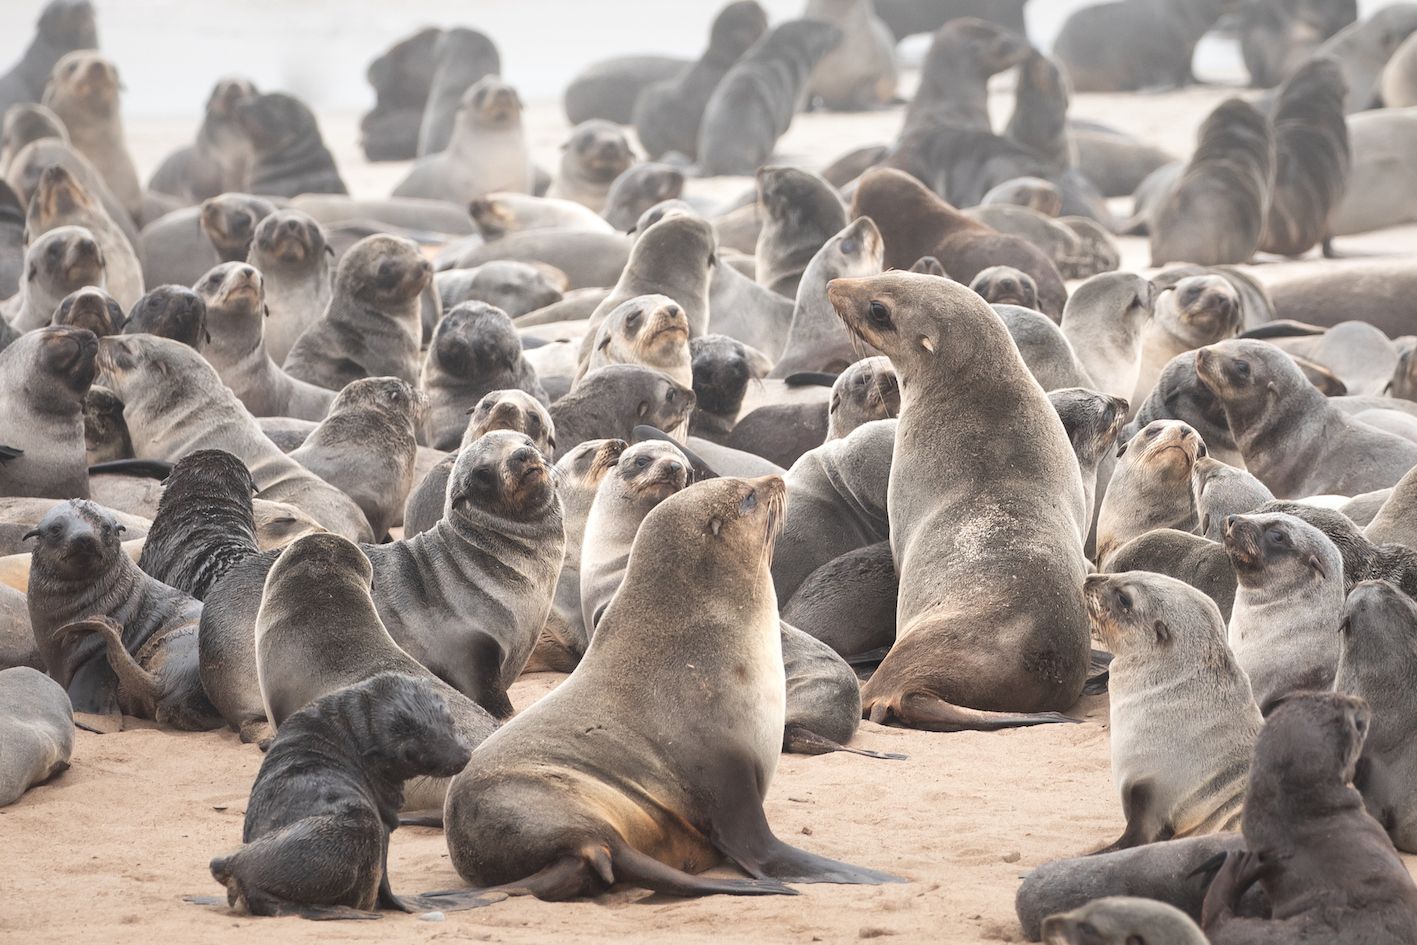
997 643
651 776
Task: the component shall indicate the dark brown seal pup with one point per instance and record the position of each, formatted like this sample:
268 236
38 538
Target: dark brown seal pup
288 156
954 79
944 671
374 324
914 223
753 106
684 749
204 522
1129 45
170 311
91 308
328 795
64 25
1312 159
800 212
112 636
1328 869
402 78
216 162
1215 211
43 379
667 114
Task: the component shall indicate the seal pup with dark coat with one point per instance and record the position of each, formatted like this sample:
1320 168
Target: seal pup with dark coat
1312 159
44 377
701 749
170 311
288 155
402 78
954 79
63 26
948 669
91 308
800 212
216 162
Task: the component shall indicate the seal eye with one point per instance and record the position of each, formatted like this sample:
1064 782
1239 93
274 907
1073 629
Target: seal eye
1124 600
1242 368
641 462
749 503
1278 537
1153 432
848 247
670 396
879 313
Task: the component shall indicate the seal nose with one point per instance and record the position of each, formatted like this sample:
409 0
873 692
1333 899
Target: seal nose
524 455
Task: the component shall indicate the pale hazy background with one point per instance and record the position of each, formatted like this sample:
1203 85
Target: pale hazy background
170 52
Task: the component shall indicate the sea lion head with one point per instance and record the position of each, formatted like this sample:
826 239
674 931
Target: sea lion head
85 80
289 238
722 368
234 293
1122 920
476 341
394 399
737 27
57 196
69 24
384 269
274 121
1005 285
1137 612
409 720
640 188
170 311
1165 449
1305 759
76 539
490 103
587 463
654 327
721 531
1201 310
867 390
64 260
504 474
1247 375
230 221
227 96
1035 193
91 308
514 410
1378 620
1093 420
651 471
599 150
917 320
1280 553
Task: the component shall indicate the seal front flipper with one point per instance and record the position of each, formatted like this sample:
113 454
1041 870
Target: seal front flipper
93 690
10 452
1145 824
136 681
802 741
933 714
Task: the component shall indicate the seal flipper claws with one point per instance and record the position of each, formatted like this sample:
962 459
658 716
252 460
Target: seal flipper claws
802 741
1097 685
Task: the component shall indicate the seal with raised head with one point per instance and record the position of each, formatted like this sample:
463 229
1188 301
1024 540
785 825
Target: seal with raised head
402 78
1025 663
816 340
667 115
652 330
1151 486
170 311
1093 421
63 26
461 58
44 376
235 300
1312 159
373 326
964 53
800 212
90 308
754 104
59 262
60 200
1222 490
296 263
83 92
1183 719
288 155
594 155
570 821
1104 321
487 153
1287 606
674 257
1195 312
316 833
215 163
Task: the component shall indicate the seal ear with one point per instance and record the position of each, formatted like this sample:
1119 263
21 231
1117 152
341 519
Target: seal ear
32 533
927 344
329 250
715 525
1318 566
644 409
1123 448
1163 632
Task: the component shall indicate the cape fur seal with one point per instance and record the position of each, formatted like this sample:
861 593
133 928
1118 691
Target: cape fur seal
596 153
1178 776
800 212
44 376
909 317
1287 606
652 330
83 92
316 833
1322 861
1197 311
461 58
964 53
170 311
215 163
402 78
487 152
288 155
63 26
1364 47
859 73
514 287
1312 158
754 103
1220 491
609 88
1215 212
1123 920
24 124
1151 485
1198 561
675 258
816 340
1005 285
1104 321
59 262
374 323
1130 45
667 114
37 724
719 532
235 300
639 188
611 401
914 222
90 308
290 250
60 200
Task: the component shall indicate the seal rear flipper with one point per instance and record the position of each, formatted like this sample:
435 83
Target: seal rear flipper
1145 823
803 741
450 900
598 867
932 714
144 468
137 681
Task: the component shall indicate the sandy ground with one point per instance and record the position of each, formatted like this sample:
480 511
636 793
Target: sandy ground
107 851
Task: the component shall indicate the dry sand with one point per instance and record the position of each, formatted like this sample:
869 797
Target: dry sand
107 851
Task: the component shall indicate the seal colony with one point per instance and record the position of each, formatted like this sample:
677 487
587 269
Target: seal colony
712 496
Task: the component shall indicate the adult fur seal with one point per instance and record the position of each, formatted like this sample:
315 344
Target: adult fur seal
594 155
465 599
59 262
933 330
1215 212
113 637
367 445
235 300
170 311
63 26
753 106
60 200
1325 451
475 350
374 324
1151 486
1183 720
1287 606
914 223
462 57
37 724
486 154
327 796
725 527
402 78
1320 858
859 73
667 115
290 250
1312 158
288 155
83 92
43 379
816 340
800 212
174 402
1129 45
